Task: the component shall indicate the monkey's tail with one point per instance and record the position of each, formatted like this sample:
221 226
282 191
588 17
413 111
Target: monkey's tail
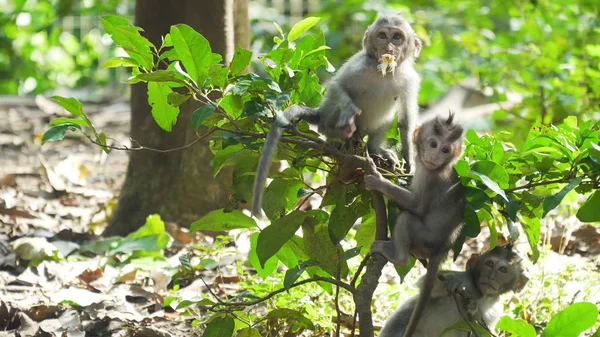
311 115
425 294
263 166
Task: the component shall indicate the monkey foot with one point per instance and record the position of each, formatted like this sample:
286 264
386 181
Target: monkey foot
386 248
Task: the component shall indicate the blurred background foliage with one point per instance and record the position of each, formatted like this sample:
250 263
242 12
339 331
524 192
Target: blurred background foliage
548 52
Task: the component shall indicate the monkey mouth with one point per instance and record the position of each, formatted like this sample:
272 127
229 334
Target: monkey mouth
488 285
429 165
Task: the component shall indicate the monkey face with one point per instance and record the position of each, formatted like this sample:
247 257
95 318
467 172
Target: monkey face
438 143
435 152
394 36
495 275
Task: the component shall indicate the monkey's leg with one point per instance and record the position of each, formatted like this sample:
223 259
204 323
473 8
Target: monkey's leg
376 140
406 126
397 249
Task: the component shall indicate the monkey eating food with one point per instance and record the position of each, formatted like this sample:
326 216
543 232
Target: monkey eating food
362 98
432 209
488 276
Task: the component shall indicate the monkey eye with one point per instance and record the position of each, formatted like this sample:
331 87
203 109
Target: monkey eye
445 150
397 36
433 144
489 263
503 269
382 36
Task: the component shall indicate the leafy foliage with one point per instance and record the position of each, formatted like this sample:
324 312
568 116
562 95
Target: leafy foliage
36 54
506 183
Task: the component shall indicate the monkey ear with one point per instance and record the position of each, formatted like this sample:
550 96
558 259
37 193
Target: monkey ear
418 46
521 282
472 261
416 134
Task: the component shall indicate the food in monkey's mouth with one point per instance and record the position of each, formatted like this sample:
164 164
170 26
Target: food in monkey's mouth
387 63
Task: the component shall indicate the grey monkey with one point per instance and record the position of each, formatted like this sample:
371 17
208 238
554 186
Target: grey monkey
362 98
488 276
432 209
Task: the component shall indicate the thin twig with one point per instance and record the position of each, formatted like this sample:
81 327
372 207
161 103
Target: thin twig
359 270
464 316
210 291
278 291
141 147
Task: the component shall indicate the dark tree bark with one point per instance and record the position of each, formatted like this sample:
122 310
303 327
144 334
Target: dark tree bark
177 185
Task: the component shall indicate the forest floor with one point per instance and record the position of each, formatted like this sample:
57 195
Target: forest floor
57 197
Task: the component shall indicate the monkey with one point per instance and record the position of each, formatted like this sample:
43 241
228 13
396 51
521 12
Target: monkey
432 209
487 276
362 97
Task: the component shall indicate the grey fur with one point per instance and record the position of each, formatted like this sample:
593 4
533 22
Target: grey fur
432 210
483 303
360 99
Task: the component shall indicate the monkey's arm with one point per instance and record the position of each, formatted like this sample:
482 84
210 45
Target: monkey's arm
408 114
338 111
404 198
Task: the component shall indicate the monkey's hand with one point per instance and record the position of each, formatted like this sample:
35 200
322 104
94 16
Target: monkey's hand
346 124
452 284
470 306
373 181
390 157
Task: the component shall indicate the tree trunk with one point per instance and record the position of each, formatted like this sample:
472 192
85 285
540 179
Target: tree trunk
177 185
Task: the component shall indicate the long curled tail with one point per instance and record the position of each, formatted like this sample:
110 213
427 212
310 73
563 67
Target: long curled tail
430 278
311 115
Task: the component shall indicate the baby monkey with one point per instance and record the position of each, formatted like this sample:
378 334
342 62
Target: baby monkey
488 276
432 209
362 98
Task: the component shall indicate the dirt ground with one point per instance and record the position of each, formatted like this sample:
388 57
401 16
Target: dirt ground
61 194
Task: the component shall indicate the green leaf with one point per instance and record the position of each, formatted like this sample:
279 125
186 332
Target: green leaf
301 27
572 321
404 270
493 171
462 326
120 61
472 223
128 37
201 114
531 227
344 216
292 317
350 253
101 139
221 326
193 51
248 332
272 238
552 201
492 185
218 221
72 105
65 120
160 76
241 59
320 248
517 327
164 114
292 274
270 265
150 243
57 132
590 210
177 99
280 195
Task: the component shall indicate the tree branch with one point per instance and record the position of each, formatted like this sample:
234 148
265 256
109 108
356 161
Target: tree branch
278 291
